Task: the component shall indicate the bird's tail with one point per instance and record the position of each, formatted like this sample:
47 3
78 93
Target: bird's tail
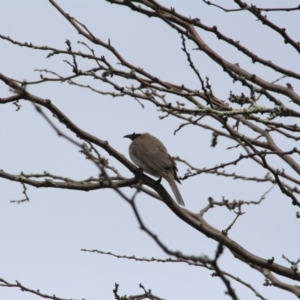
175 190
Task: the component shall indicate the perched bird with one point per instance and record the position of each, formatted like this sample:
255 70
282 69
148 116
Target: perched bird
150 154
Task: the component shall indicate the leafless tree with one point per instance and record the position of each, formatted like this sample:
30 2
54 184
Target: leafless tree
261 122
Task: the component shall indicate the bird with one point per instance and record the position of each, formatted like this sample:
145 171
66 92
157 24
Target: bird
150 154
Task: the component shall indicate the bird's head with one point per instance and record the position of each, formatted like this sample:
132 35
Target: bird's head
132 136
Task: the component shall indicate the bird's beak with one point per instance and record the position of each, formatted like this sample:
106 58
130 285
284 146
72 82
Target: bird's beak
132 136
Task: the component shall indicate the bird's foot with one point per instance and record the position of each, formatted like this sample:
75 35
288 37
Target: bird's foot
140 170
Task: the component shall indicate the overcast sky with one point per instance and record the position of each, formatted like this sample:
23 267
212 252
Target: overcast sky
41 240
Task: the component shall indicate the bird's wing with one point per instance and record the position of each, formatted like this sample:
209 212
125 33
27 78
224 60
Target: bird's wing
157 155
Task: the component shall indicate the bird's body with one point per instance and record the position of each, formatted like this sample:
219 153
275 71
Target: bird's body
150 154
